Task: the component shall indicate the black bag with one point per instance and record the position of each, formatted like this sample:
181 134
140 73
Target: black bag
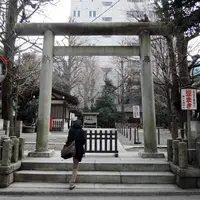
68 150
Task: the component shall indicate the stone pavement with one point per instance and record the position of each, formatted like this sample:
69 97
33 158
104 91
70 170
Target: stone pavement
61 189
193 197
94 189
57 139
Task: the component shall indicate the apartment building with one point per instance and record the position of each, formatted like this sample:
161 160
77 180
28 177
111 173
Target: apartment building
96 11
110 11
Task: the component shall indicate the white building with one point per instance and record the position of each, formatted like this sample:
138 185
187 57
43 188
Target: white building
110 11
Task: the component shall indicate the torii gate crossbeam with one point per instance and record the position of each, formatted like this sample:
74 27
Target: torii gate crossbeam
116 28
49 30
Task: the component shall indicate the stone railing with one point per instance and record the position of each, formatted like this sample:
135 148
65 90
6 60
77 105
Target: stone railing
11 154
184 162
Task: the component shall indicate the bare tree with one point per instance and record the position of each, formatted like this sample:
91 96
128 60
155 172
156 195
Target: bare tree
13 11
25 79
88 88
128 81
67 69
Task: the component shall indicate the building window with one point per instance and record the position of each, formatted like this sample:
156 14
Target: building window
92 13
134 1
77 13
107 3
107 19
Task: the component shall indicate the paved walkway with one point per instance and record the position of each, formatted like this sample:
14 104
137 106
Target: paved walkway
124 156
102 198
57 139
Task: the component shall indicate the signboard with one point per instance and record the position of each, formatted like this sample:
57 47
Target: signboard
3 68
136 111
188 99
90 119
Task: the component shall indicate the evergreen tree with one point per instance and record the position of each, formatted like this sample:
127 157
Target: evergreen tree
106 107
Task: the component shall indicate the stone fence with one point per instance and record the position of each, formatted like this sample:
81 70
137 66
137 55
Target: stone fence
132 134
184 162
11 154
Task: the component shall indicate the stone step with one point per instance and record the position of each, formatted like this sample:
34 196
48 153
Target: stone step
95 177
115 190
97 166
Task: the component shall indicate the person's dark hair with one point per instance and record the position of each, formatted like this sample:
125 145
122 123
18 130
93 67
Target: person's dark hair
77 124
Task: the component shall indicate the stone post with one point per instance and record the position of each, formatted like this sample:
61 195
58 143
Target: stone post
148 102
15 150
182 133
185 129
45 98
198 153
183 155
7 152
1 146
7 127
175 151
21 148
185 140
174 130
18 128
169 150
12 138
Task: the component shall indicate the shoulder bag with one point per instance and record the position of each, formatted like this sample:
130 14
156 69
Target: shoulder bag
68 150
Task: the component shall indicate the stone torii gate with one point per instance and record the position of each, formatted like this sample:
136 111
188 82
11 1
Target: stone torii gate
49 30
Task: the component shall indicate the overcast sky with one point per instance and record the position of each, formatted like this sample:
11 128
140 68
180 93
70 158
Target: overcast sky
60 12
57 12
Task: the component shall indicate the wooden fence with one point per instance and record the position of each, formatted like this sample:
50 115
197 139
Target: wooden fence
99 141
57 125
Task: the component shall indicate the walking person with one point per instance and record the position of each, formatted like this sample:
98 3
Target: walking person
76 133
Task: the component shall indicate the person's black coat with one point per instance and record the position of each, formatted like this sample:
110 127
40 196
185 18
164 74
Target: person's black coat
76 133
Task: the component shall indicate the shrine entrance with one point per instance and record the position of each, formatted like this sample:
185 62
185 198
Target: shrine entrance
50 30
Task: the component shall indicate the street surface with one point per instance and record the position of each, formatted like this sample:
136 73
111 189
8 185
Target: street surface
98 198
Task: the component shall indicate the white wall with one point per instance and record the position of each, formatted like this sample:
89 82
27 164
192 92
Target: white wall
118 13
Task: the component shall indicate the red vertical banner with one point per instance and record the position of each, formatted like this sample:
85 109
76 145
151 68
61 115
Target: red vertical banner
188 99
51 123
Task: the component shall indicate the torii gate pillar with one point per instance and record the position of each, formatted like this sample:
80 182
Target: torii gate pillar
45 98
148 102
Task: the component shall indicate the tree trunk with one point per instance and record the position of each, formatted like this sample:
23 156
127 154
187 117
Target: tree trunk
9 52
169 106
181 45
175 94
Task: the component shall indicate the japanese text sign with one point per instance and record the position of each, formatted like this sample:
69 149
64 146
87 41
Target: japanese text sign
188 99
136 111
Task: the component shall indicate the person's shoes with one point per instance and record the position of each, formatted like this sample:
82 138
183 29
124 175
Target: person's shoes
71 185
